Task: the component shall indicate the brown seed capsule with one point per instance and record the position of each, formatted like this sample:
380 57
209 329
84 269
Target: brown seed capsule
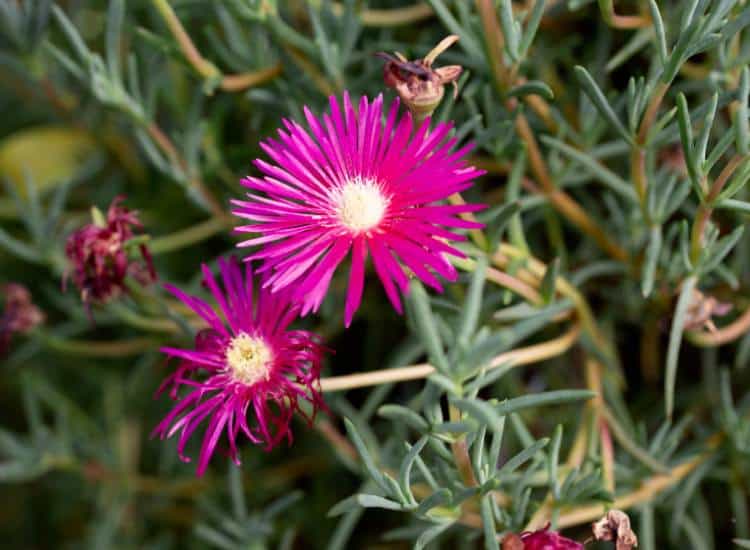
419 86
616 526
702 309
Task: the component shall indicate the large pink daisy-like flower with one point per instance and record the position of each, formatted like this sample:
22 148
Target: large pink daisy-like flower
356 183
244 364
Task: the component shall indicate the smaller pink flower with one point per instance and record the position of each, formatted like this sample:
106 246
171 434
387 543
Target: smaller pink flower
247 373
99 260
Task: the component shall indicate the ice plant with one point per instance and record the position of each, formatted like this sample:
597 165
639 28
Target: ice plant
246 363
358 184
98 255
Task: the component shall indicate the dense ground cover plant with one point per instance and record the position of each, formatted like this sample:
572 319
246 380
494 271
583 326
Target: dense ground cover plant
498 283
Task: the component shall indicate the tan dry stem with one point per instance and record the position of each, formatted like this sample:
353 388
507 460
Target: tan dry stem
204 67
516 358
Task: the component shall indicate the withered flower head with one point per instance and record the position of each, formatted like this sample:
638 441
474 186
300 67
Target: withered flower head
98 255
702 309
421 87
19 315
616 526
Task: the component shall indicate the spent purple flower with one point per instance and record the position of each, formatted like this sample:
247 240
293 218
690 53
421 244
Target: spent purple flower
19 314
357 184
248 372
98 255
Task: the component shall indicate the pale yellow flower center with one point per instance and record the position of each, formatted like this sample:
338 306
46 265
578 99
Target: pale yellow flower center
360 204
248 359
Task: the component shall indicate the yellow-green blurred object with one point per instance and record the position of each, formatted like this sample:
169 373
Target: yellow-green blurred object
49 155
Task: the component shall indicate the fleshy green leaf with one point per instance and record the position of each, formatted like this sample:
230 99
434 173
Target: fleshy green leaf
675 339
595 94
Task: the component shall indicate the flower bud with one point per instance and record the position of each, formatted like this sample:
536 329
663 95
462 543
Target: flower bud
419 86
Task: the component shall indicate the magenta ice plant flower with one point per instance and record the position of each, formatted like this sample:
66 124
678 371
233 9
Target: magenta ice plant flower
358 185
248 372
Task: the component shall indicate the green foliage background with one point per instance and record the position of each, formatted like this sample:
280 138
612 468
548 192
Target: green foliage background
631 112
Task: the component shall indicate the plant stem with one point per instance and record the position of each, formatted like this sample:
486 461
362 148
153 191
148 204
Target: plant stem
706 208
504 79
516 358
533 273
521 288
647 491
191 235
390 17
638 152
460 451
100 348
204 67
724 335
166 145
137 320
239 82
607 7
477 235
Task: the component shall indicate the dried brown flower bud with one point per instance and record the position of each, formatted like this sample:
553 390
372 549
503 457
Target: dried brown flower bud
419 86
20 315
702 309
616 526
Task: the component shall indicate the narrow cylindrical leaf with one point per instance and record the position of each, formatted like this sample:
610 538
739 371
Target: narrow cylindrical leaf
598 170
426 326
547 286
532 87
531 27
115 16
720 250
601 103
653 250
686 136
364 454
675 339
514 462
545 398
554 457
708 122
736 205
661 39
405 415
741 116
473 303
404 475
509 29
488 522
